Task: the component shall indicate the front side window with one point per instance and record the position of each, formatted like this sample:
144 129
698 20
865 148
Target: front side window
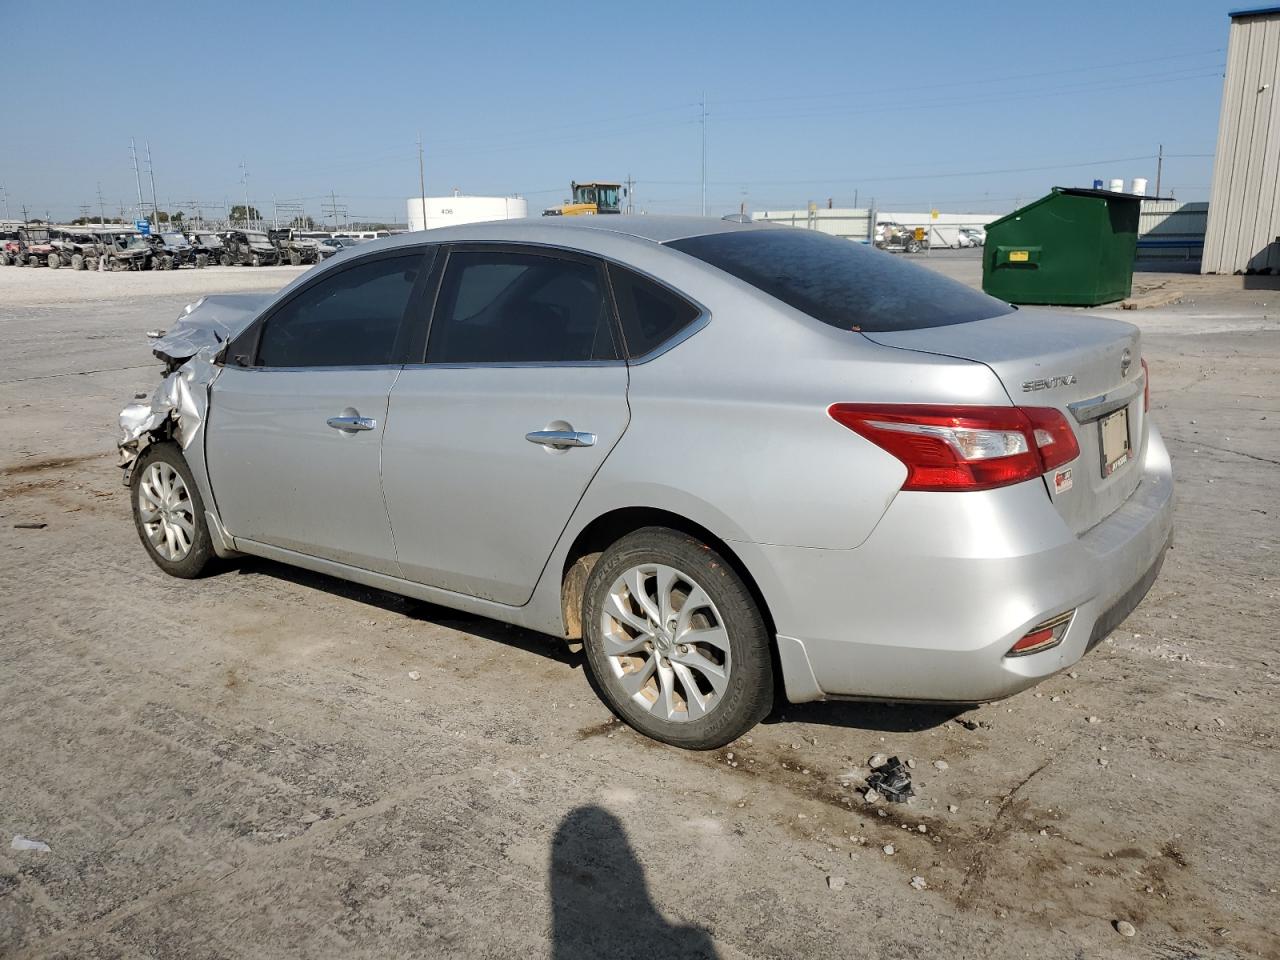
350 318
520 308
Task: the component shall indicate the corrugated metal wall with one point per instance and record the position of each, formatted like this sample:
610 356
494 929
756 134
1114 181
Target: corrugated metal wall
1243 232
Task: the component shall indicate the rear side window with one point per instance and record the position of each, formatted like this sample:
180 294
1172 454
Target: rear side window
351 318
651 314
499 307
842 283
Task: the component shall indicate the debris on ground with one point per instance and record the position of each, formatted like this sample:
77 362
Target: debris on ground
888 849
940 765
20 842
871 796
891 780
878 760
836 883
1125 928
414 675
919 883
30 525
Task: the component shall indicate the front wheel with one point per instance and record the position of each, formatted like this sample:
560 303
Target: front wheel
675 643
168 512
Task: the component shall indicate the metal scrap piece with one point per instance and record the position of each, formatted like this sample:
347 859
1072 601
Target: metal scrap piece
892 780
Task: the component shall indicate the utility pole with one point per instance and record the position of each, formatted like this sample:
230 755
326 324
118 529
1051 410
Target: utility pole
631 194
855 198
422 181
333 203
702 106
244 178
155 208
102 209
137 179
5 193
1159 169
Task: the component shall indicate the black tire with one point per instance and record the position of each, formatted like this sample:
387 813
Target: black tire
54 261
77 261
198 558
202 260
295 258
224 259
748 693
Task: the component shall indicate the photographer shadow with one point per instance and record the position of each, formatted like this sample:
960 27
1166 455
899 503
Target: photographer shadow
600 905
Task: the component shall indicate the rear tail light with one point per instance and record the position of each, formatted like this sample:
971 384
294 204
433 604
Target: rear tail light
1146 386
1041 637
964 447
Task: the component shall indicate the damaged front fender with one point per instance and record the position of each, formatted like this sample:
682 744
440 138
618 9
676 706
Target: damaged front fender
179 404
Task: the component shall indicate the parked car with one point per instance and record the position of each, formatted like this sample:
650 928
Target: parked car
723 457
170 251
248 248
977 236
127 251
207 248
891 235
76 249
293 247
32 246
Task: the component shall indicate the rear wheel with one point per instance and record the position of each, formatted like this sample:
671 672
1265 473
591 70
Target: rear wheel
202 260
225 260
77 261
295 258
168 512
675 643
54 261
257 260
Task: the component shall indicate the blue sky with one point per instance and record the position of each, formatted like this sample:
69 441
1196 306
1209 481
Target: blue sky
965 106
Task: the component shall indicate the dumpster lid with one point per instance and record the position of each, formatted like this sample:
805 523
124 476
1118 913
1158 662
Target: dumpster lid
1070 192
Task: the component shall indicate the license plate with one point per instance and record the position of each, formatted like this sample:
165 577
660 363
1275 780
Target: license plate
1113 431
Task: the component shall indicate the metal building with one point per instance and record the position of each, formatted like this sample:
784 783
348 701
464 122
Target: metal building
1243 231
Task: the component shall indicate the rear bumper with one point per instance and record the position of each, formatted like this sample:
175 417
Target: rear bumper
928 606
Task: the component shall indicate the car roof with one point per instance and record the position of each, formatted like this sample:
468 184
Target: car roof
580 229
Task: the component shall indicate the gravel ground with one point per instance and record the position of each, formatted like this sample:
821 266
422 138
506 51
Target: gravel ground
244 767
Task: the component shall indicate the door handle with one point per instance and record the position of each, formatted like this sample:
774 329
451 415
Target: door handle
352 423
560 439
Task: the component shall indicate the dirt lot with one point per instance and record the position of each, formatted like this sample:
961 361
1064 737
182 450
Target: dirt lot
244 767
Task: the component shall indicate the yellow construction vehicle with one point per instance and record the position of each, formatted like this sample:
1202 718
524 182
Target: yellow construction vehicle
589 199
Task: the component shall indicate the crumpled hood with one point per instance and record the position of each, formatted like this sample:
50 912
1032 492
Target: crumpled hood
209 322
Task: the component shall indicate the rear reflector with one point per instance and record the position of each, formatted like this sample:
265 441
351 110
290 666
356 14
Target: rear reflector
964 447
1041 637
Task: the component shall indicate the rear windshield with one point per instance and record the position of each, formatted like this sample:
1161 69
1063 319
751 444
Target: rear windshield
845 284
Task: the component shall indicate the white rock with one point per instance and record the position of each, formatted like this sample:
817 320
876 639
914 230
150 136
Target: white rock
1125 928
871 796
940 764
911 762
922 828
918 883
20 842
878 760
888 849
837 883
414 675
1095 720
952 808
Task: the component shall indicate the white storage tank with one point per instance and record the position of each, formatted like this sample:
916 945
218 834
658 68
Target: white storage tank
1117 185
1139 187
458 209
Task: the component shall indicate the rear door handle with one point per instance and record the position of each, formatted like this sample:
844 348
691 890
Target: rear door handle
561 438
352 423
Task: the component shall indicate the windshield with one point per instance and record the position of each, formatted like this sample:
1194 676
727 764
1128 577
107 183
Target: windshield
257 239
844 284
137 243
174 239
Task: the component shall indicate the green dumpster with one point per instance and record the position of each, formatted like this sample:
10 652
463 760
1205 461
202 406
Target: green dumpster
1073 247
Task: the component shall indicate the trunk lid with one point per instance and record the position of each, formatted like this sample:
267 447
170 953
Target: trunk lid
1087 367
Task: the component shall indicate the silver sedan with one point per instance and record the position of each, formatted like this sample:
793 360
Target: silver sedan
724 458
